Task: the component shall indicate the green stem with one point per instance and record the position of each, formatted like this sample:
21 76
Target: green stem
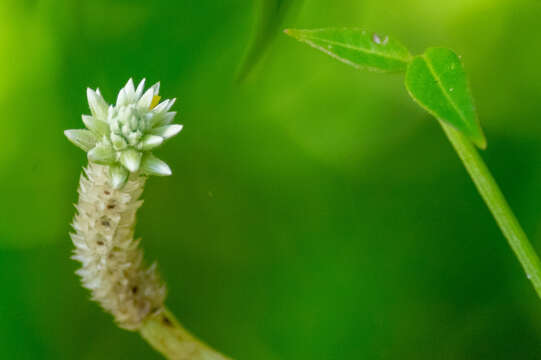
165 334
491 193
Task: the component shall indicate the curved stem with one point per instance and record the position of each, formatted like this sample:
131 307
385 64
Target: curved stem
491 193
165 334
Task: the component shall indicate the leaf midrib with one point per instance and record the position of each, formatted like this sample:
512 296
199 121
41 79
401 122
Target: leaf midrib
443 90
335 43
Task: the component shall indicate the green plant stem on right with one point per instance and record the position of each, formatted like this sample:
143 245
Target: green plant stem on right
491 193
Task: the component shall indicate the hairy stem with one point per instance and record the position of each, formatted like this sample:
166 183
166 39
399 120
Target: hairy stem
165 334
491 193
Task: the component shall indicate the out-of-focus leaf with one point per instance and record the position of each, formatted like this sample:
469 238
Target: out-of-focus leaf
273 13
358 48
437 81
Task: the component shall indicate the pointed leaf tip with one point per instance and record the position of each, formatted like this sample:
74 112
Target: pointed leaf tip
295 33
437 81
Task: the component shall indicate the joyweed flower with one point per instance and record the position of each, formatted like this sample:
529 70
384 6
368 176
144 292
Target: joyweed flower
119 140
122 136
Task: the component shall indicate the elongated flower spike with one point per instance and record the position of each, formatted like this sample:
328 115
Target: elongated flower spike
119 139
123 135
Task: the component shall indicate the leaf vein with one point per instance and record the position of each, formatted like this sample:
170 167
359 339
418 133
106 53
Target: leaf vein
371 52
443 90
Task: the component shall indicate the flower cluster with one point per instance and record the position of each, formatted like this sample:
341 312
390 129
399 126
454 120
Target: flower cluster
123 135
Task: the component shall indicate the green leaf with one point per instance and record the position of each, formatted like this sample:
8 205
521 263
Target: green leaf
358 48
437 81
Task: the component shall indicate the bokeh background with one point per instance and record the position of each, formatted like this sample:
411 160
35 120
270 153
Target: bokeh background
314 212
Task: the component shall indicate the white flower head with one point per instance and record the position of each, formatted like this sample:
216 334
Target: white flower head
123 135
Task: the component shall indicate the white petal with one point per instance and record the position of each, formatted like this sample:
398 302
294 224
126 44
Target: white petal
81 138
97 126
162 119
97 104
99 93
118 142
102 154
156 88
167 131
154 166
170 104
129 88
151 141
129 92
131 159
122 98
161 107
146 99
168 117
119 176
164 106
140 88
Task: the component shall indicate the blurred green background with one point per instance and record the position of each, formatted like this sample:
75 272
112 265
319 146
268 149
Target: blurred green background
315 212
